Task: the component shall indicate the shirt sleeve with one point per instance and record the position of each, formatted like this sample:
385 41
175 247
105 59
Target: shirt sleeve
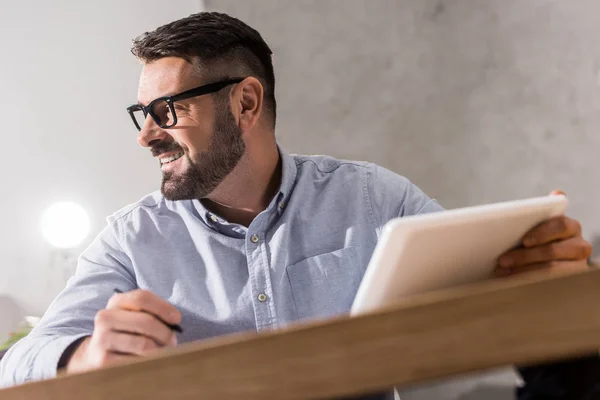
102 267
392 196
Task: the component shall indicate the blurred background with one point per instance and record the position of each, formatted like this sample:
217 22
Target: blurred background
474 100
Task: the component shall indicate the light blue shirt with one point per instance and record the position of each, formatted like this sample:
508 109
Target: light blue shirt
301 258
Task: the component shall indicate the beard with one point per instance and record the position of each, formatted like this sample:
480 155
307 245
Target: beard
204 174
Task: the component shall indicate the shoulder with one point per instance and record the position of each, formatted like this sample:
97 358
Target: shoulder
388 194
393 195
329 169
378 179
321 164
375 178
147 204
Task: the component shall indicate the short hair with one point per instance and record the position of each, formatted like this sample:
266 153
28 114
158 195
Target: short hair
223 46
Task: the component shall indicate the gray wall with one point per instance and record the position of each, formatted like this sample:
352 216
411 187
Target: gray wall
475 101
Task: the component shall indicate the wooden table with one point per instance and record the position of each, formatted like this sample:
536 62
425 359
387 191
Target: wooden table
435 335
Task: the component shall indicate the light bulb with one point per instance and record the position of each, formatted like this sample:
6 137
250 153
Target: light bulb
65 224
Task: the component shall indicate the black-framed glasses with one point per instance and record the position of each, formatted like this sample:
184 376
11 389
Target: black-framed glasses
162 111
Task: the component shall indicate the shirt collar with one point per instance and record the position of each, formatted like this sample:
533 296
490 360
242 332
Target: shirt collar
279 202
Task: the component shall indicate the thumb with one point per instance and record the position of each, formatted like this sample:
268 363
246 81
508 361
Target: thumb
558 193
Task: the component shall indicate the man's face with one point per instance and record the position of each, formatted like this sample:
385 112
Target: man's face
206 144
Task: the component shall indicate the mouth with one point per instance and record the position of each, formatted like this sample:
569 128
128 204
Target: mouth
170 158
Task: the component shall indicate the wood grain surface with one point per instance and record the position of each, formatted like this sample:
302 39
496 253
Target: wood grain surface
433 335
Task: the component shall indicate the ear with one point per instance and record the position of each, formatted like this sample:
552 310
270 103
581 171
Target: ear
247 102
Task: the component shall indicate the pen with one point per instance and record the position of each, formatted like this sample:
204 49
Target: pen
173 327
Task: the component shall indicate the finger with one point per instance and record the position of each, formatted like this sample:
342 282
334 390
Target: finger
102 358
576 248
115 357
558 193
143 300
127 343
551 268
136 322
553 229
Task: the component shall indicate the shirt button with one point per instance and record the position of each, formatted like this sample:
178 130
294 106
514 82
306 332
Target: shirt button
282 205
262 297
214 218
254 239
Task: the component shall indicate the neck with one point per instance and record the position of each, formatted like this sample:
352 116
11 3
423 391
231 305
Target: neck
249 188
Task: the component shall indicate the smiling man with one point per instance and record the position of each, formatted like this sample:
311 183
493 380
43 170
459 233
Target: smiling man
242 236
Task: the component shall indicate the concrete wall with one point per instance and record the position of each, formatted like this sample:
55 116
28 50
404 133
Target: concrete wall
475 101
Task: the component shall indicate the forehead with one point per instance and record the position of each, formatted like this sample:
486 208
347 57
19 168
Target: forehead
166 76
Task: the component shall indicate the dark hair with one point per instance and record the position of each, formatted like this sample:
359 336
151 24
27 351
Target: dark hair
223 46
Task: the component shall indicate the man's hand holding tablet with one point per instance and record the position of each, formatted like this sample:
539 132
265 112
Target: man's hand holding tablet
555 245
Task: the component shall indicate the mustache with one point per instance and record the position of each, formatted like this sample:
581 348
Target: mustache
161 148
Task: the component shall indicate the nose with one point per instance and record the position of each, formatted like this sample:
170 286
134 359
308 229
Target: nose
150 133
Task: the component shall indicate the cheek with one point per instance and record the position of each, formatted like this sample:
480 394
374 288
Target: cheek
194 129
192 139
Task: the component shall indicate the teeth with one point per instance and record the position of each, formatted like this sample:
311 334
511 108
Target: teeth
169 159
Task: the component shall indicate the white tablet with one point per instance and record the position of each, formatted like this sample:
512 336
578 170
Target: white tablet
426 252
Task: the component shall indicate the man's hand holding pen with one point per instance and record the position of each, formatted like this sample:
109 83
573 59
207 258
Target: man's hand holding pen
135 323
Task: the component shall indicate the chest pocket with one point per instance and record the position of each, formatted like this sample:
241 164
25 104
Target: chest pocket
325 285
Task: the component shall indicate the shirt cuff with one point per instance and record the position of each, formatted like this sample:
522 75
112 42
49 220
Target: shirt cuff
47 359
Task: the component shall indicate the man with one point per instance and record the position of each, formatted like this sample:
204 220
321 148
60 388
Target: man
242 236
